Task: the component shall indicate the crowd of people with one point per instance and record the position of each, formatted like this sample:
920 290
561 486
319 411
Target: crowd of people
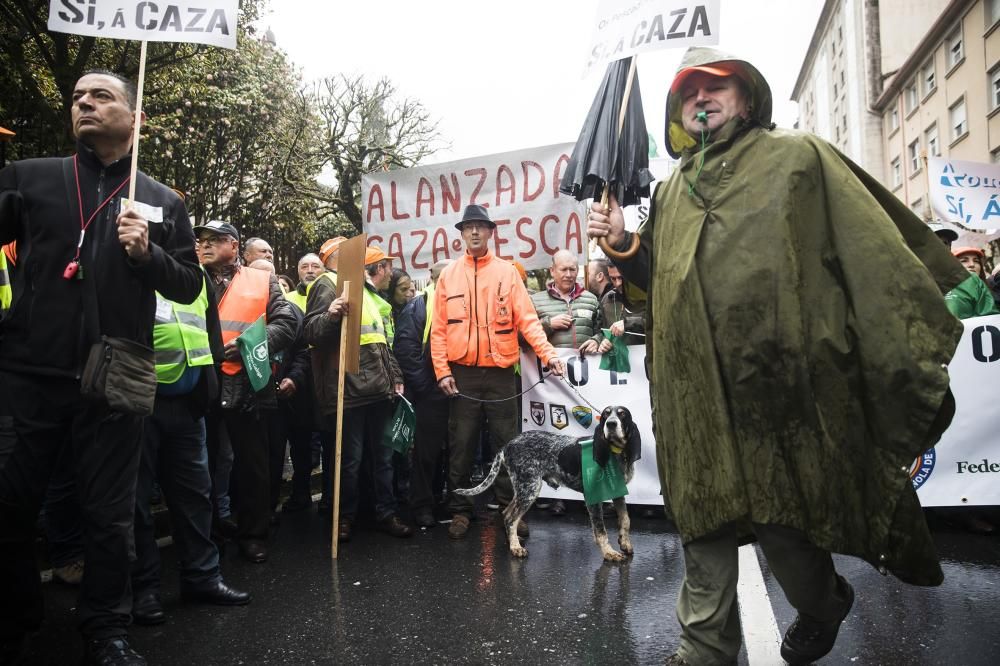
130 345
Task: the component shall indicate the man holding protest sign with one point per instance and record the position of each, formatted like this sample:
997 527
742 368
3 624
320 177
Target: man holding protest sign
789 409
480 305
71 210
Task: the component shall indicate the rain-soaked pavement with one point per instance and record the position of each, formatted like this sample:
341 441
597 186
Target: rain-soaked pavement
430 600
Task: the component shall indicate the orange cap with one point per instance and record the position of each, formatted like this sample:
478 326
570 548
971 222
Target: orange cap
328 247
959 251
688 71
374 254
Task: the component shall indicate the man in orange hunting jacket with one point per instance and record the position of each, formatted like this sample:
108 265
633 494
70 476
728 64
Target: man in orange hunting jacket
481 305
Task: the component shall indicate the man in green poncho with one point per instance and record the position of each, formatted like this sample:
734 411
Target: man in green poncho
791 391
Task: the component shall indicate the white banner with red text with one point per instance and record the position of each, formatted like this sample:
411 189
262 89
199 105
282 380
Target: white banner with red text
963 468
411 213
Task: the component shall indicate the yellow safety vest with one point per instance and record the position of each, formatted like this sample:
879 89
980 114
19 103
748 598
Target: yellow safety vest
5 291
297 299
180 337
376 319
429 290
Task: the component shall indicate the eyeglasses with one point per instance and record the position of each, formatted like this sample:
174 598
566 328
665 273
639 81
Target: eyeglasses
213 240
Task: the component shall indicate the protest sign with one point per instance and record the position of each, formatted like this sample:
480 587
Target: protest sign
965 192
625 28
200 21
963 468
411 213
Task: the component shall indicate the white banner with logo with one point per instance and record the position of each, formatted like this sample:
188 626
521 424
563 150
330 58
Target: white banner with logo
411 213
963 469
965 192
554 406
622 28
198 21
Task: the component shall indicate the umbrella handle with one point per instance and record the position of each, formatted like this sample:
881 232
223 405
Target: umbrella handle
615 254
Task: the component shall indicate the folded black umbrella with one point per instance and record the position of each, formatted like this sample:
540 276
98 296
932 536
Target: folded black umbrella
603 155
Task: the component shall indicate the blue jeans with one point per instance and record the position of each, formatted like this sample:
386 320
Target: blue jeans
174 452
362 436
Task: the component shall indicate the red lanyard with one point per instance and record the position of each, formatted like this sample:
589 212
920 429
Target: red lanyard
85 225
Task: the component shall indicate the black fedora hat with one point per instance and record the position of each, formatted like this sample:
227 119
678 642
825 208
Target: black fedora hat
475 212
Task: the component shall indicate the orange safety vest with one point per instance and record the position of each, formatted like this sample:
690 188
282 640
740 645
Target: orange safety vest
243 303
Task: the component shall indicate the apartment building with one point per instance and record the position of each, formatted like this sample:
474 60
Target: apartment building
944 100
854 42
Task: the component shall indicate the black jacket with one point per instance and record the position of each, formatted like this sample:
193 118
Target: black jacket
296 365
413 355
50 326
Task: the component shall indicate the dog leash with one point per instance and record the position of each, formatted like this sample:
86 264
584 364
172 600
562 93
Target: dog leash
513 397
597 412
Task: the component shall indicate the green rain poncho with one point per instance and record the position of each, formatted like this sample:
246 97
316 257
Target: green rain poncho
797 340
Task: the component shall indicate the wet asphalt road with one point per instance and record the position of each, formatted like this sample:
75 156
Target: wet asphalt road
430 600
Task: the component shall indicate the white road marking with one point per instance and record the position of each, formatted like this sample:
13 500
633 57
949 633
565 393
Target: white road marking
760 629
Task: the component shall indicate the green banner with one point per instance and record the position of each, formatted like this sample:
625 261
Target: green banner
600 483
399 430
253 349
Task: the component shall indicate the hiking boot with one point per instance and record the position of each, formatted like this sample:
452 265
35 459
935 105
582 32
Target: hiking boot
393 526
558 508
424 518
676 660
71 574
344 530
809 639
459 526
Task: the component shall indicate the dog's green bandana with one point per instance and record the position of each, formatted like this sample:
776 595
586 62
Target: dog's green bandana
600 483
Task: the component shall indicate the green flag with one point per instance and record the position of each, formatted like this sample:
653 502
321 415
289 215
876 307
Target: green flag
399 430
600 483
617 358
253 349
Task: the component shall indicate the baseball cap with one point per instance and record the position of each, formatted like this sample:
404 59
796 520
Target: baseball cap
714 70
219 227
374 254
328 247
959 251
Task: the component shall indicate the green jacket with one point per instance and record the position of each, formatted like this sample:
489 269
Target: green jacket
583 307
786 388
972 298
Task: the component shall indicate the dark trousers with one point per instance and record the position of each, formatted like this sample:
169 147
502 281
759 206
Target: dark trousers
466 422
249 489
48 415
300 443
61 513
277 441
174 451
430 442
362 436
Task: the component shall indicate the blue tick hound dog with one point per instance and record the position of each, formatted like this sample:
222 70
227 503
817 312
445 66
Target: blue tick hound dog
533 457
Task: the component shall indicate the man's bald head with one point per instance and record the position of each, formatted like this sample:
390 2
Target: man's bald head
437 268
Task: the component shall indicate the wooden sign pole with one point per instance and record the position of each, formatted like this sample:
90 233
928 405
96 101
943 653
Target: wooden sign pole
341 370
137 124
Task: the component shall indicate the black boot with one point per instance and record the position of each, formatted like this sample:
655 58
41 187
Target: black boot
809 639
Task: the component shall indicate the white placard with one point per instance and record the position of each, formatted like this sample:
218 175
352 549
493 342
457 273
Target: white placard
411 213
197 21
965 192
624 28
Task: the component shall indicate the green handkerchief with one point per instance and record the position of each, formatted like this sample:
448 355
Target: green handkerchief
600 483
616 359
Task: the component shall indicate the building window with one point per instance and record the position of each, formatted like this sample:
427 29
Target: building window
955 48
913 152
931 139
897 174
995 156
992 12
894 118
927 78
958 120
995 87
911 100
918 207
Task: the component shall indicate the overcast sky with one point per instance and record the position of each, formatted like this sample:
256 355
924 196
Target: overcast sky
501 76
